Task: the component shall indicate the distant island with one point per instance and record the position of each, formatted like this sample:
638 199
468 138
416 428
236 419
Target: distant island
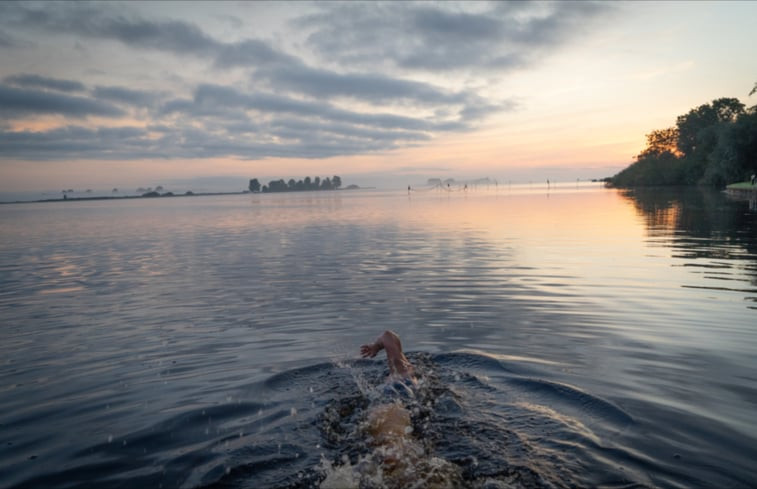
293 185
714 144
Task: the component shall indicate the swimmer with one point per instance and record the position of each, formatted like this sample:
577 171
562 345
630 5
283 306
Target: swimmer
389 424
401 456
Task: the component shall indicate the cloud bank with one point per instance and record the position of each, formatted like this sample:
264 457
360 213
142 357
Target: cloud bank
361 86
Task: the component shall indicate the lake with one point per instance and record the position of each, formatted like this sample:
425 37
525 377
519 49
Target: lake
574 336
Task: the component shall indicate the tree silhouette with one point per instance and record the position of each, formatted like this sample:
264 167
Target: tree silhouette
713 144
661 141
307 183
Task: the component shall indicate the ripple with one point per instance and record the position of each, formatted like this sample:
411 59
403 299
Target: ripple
577 338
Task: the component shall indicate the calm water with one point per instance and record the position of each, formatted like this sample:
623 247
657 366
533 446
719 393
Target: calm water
580 337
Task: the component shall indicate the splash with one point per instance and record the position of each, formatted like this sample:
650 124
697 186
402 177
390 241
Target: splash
339 476
383 438
471 422
403 465
358 376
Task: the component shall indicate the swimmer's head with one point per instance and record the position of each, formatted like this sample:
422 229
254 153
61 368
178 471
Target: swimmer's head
388 423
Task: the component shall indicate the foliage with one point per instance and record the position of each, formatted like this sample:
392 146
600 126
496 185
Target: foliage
713 144
254 185
697 129
734 158
307 183
661 141
662 169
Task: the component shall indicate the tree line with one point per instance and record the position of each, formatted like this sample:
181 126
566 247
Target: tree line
306 183
713 144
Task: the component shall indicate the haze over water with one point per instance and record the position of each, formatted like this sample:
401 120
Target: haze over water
571 336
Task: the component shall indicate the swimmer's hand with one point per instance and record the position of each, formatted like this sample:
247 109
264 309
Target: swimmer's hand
371 350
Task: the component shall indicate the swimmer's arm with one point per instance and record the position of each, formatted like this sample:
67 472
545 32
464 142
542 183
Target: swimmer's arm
372 349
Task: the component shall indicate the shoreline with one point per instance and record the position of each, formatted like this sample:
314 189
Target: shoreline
122 197
164 196
743 190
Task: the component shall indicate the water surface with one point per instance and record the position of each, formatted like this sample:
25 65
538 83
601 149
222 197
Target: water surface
576 337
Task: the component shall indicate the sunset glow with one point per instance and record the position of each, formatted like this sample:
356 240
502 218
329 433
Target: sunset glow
386 94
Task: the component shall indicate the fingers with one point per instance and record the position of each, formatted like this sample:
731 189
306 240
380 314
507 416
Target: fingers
368 351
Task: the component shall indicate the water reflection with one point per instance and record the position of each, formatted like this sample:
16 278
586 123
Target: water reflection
151 325
713 235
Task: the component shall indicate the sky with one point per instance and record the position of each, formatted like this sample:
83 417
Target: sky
206 95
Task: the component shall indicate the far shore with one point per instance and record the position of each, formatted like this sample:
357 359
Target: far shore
124 197
155 195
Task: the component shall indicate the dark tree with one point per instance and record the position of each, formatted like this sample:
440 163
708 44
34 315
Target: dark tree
728 109
307 184
713 144
661 141
693 127
734 157
276 186
254 185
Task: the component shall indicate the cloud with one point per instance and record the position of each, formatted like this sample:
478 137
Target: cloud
127 96
37 81
20 101
219 121
370 87
173 36
299 128
6 41
250 53
201 127
212 99
131 143
288 108
380 91
76 142
92 21
444 37
280 70
233 21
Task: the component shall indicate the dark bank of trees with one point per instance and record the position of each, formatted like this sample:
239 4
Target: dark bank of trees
713 144
307 183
